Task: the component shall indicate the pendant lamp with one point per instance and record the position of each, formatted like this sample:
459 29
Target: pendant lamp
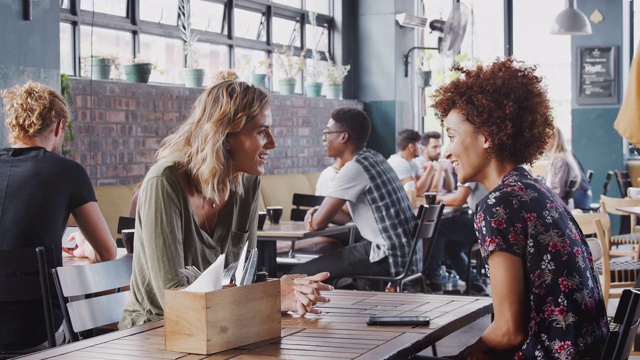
571 21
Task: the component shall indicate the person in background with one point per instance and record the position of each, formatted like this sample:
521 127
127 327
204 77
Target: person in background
563 167
455 236
327 176
408 144
377 203
440 172
40 189
200 200
546 295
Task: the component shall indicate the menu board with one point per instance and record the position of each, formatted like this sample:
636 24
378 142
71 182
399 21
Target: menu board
597 76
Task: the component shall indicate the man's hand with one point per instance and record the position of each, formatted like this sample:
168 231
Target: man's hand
82 249
300 293
309 217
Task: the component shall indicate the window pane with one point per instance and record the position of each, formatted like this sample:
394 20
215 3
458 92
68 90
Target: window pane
319 6
112 7
286 32
106 42
207 16
485 40
64 4
248 61
636 24
292 3
315 70
167 54
317 37
159 11
66 49
247 25
213 58
533 44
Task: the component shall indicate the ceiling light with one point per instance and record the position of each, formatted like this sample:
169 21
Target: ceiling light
411 20
571 21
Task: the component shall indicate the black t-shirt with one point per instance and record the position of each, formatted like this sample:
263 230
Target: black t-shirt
38 191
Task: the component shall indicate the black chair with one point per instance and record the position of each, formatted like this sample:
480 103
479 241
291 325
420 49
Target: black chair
124 223
24 275
302 203
589 175
605 189
624 182
625 326
424 231
571 189
87 294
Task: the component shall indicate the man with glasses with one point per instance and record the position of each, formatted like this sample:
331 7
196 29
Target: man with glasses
409 148
375 199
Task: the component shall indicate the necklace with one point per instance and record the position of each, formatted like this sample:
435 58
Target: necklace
206 222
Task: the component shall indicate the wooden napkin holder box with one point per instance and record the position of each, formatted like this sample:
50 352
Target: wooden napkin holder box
206 323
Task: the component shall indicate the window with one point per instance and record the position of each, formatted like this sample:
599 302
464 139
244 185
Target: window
318 6
213 58
292 3
249 24
168 55
317 37
66 49
286 32
159 11
207 16
106 42
112 7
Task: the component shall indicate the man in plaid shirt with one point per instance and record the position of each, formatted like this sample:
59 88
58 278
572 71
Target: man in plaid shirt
375 200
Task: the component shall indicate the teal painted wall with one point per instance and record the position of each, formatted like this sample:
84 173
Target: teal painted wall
382 138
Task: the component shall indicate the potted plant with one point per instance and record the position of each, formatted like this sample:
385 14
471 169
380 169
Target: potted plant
138 70
98 67
193 76
313 70
261 72
290 66
425 69
69 136
333 79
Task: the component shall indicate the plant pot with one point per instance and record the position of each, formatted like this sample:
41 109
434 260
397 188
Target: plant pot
287 86
313 89
100 69
334 91
138 73
425 76
259 80
193 77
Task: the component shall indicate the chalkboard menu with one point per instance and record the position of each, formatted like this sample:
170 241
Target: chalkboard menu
597 76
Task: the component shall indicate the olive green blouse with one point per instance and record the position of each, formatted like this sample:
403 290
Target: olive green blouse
167 238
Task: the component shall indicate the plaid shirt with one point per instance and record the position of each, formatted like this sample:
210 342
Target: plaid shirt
392 210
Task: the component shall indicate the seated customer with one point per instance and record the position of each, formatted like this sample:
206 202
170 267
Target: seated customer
430 162
408 144
545 290
456 235
377 202
39 190
200 200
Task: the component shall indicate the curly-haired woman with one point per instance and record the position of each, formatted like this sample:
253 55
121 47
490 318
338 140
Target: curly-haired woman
546 295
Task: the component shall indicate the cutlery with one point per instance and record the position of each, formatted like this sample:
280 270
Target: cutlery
228 275
250 268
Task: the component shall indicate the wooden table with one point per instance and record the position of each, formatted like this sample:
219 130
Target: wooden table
68 260
339 333
292 231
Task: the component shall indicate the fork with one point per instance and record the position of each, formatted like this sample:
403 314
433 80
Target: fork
189 274
229 274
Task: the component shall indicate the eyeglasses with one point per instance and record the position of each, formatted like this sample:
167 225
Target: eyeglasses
325 132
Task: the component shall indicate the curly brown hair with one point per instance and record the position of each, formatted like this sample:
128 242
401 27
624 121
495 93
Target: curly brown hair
31 110
507 103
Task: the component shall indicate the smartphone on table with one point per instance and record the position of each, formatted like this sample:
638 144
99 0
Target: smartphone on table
399 320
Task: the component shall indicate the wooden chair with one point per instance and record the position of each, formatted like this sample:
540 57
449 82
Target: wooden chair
608 205
607 182
624 326
571 189
302 203
29 280
424 232
92 294
615 274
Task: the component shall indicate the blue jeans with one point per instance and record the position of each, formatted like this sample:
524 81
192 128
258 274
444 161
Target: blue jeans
455 236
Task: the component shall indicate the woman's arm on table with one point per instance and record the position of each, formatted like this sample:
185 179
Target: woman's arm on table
508 329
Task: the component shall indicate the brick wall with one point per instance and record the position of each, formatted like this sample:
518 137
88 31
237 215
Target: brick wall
119 126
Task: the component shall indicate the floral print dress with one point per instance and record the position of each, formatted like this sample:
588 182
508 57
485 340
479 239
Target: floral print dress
566 312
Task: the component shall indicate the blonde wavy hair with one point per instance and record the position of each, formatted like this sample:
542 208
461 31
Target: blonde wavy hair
557 147
31 110
197 145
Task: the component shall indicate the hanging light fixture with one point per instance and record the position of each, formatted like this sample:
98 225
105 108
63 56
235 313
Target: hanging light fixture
571 21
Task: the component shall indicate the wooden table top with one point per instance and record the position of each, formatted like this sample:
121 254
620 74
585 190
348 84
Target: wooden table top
289 230
339 333
633 210
68 260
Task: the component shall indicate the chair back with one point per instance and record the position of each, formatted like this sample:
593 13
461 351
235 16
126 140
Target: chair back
571 189
302 203
624 182
74 283
124 223
607 182
589 175
626 320
29 280
429 217
589 225
609 205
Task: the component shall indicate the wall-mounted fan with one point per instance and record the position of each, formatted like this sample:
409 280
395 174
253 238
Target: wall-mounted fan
452 33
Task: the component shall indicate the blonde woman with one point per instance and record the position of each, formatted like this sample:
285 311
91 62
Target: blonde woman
563 167
39 190
200 200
